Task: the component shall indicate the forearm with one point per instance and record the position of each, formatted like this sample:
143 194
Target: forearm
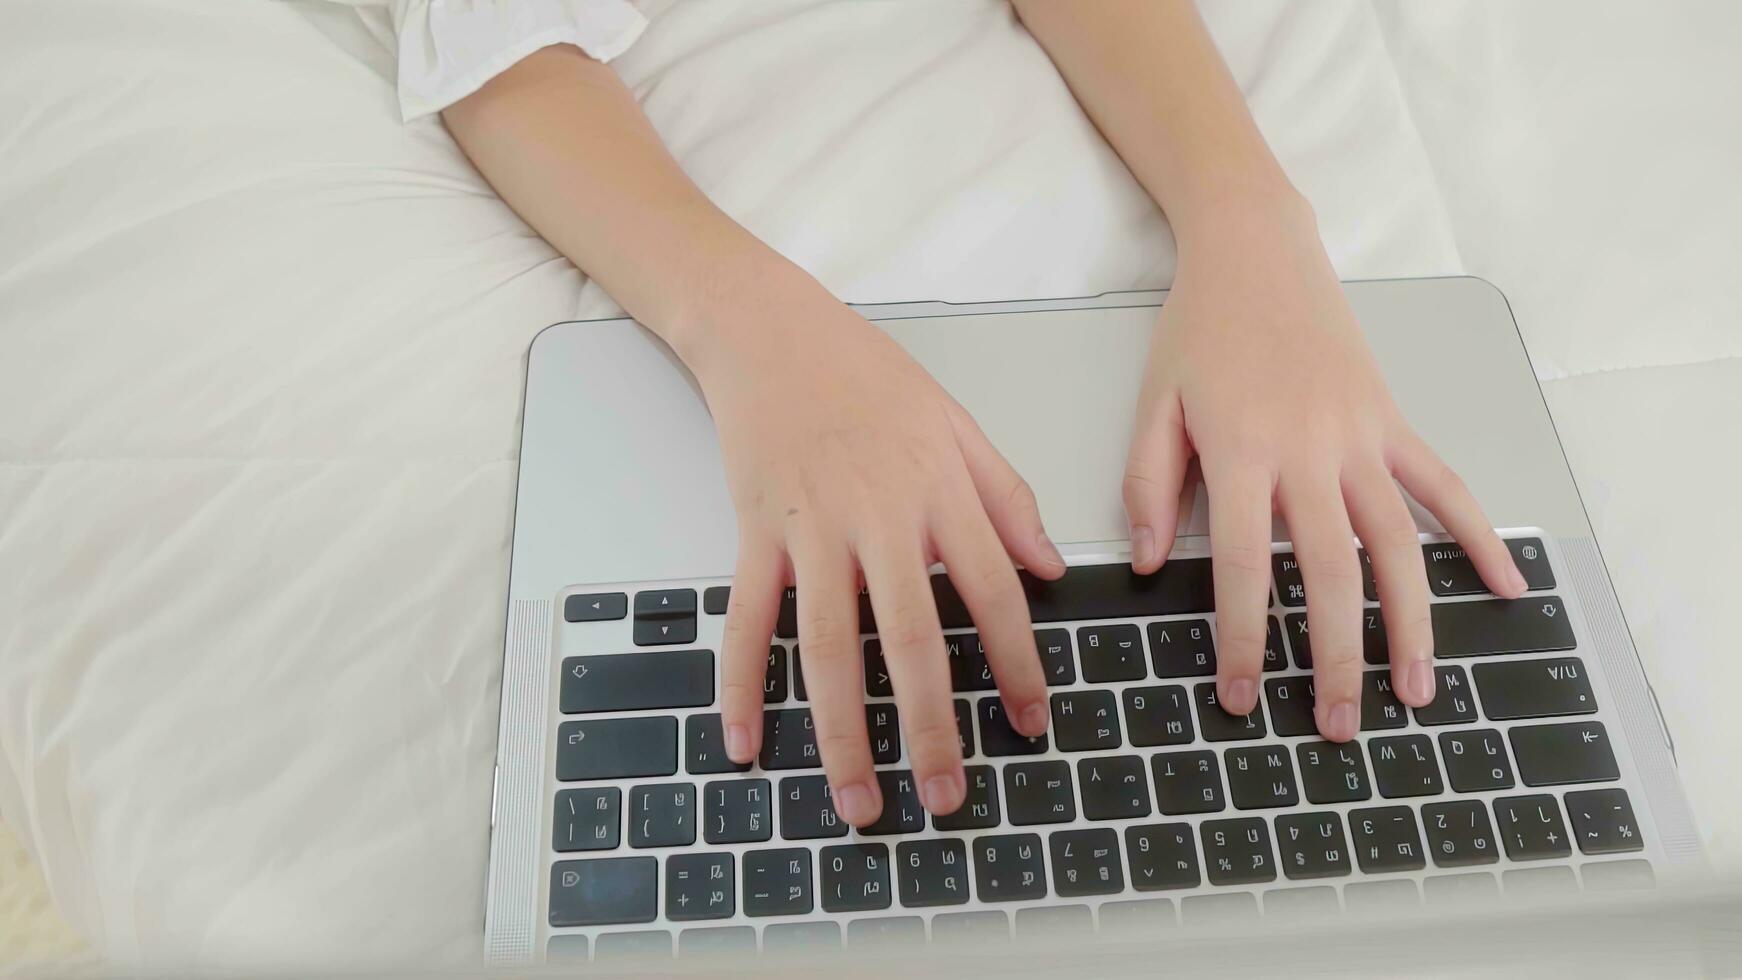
1149 75
565 144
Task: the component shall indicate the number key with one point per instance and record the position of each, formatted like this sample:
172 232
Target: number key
777 882
855 877
1009 868
1312 845
1238 851
1162 855
1386 839
1459 834
932 872
1086 862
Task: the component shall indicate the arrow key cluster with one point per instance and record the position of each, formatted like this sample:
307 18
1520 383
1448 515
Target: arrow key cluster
665 616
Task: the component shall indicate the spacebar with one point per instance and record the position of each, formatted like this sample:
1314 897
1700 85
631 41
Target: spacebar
1099 592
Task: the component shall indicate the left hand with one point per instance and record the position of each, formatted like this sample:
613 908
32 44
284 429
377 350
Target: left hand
1258 367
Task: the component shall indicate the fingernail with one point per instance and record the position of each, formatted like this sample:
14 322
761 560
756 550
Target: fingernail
1242 696
855 804
1051 549
1034 720
737 742
1142 545
1421 680
941 794
1516 578
1342 721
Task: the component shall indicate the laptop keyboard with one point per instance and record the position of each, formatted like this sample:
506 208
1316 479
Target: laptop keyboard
1144 803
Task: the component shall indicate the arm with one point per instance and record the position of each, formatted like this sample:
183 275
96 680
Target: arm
846 461
1259 369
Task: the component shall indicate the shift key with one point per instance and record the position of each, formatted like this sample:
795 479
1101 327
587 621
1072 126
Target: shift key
1486 627
637 681
616 748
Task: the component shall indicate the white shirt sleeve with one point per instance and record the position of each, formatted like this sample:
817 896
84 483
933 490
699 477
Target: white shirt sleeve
449 48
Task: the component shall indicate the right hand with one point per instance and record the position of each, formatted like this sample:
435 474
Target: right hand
849 464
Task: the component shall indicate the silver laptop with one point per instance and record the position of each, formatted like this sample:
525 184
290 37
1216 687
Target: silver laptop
621 832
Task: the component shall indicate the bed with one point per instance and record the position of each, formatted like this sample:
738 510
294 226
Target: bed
261 349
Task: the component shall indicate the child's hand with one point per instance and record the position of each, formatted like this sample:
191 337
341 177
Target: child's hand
1258 367
848 464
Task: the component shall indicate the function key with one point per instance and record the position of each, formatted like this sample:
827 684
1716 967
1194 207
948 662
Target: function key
636 681
716 599
1496 626
1290 589
592 607
604 891
1532 559
1450 571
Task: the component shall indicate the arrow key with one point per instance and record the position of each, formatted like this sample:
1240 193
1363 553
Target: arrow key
595 607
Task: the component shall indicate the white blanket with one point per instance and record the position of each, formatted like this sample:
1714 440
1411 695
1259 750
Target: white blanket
260 358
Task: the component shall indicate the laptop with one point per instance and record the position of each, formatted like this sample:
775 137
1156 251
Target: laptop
621 833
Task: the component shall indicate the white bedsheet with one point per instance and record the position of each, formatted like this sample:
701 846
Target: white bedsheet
260 357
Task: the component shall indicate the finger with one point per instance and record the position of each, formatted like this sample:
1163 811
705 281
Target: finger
750 615
1324 546
1155 471
1240 561
1386 528
1439 488
988 585
828 632
1008 501
919 671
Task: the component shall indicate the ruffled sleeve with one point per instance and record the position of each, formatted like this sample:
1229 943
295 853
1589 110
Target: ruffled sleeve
449 48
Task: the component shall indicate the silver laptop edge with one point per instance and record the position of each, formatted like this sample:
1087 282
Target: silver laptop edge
603 392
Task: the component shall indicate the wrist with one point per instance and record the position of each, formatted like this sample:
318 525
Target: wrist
1248 228
742 302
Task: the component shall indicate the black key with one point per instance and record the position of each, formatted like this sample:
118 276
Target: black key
636 681
1260 777
902 813
1603 821
1100 592
705 746
1291 705
1084 721
1237 852
997 738
965 727
737 811
1055 656
1187 782
1487 627
800 939
662 816
932 872
593 607
1162 855
1476 760
1532 559
789 740
1086 862
666 604
1290 588
807 809
1369 587
798 691
774 677
1182 649
979 809
877 683
1459 834
1452 703
1275 657
663 632
717 941
1380 708
643 945
777 882
1158 715
1312 845
1218 725
969 669
1531 828
1111 653
1333 773
855 877
883 726
616 748
1450 571
715 599
1534 688
1039 792
1554 755
587 819
1404 765
1113 787
700 886
1375 647
1009 868
1386 839
604 891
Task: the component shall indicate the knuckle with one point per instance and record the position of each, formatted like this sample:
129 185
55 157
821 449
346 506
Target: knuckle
739 692
1338 658
1020 496
826 633
1244 558
846 747
1242 637
935 736
1333 568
